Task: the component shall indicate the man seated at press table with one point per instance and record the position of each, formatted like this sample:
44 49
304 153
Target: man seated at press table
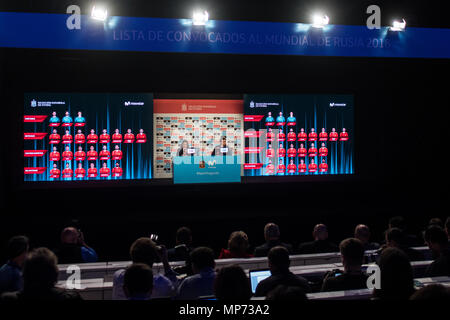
272 236
223 149
279 263
352 278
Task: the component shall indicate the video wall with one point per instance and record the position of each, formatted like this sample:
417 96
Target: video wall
131 136
298 134
75 137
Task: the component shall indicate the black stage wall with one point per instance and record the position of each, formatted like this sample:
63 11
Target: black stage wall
401 137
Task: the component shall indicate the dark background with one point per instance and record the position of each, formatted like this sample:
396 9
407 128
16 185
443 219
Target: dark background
400 128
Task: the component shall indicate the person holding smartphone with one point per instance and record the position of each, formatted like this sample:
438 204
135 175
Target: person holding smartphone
352 277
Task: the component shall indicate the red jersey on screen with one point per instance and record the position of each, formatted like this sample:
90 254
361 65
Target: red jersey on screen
312 152
292 136
116 138
269 153
141 138
312 136
302 136
323 136
281 152
302 152
79 138
117 172
104 138
104 172
80 155
104 155
67 155
92 172
92 138
281 168
312 167
80 173
54 138
269 136
291 168
92 155
281 137
55 173
323 167
323 152
67 138
343 136
270 169
54 156
67 173
333 136
116 155
128 138
302 167
292 152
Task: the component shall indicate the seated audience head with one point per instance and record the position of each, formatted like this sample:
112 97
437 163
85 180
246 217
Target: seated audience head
238 242
397 222
138 282
352 253
287 293
231 283
432 292
70 235
394 237
397 282
362 233
184 236
436 222
320 232
202 258
40 270
144 250
17 249
279 260
271 232
436 239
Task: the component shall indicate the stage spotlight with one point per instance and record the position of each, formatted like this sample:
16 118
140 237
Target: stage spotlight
320 21
99 13
398 26
200 18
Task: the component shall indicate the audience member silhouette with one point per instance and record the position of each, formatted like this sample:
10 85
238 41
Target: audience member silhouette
279 262
272 237
321 244
232 284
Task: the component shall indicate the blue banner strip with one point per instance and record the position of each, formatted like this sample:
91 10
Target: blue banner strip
50 31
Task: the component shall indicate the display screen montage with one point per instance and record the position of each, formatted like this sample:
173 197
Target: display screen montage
75 137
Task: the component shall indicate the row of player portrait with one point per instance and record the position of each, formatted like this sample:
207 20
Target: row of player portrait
293 168
80 171
303 136
81 155
92 137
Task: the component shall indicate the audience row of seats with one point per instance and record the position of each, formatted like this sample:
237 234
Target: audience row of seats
106 269
98 289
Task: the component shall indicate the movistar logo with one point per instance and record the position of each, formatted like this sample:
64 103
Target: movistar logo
212 163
